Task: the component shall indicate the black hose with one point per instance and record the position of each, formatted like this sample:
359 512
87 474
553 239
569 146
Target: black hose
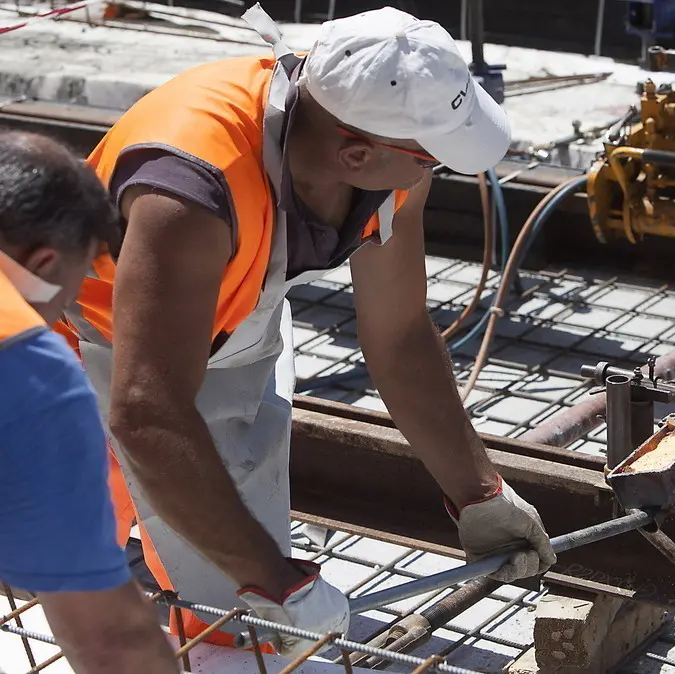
659 157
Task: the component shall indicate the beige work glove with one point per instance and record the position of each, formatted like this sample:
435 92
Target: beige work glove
499 524
312 605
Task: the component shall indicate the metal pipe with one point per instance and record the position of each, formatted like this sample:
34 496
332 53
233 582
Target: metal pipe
483 567
489 565
463 20
599 25
477 34
619 444
459 601
416 629
573 423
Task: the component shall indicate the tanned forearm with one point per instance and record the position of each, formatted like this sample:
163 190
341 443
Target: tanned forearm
432 419
109 632
175 460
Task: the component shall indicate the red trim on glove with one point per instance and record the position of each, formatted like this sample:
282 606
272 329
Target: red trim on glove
311 569
452 509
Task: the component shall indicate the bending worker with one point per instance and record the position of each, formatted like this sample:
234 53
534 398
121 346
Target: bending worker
240 179
57 525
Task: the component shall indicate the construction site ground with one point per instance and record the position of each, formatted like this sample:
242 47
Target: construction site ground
567 318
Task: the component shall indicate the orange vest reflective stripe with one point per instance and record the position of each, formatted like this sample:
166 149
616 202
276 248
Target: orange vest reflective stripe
215 113
18 319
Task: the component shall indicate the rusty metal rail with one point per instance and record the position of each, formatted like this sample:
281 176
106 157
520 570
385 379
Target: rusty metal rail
350 467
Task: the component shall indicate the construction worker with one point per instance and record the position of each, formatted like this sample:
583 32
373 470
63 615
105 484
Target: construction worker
57 526
240 179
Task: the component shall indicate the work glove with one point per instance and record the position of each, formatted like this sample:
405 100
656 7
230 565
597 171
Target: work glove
501 523
312 605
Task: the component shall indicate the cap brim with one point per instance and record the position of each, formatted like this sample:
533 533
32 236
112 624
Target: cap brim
477 145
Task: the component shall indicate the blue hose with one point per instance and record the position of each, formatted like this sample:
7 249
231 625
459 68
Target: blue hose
504 235
502 217
571 188
536 228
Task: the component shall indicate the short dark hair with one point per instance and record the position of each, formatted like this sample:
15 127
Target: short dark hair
48 197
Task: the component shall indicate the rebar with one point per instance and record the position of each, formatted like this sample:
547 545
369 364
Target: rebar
489 565
206 632
341 643
36 636
17 619
182 640
18 611
313 650
320 640
43 665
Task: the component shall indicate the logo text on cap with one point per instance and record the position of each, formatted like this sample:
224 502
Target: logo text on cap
459 99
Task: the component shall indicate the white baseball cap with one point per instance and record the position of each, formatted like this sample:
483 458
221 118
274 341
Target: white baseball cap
387 73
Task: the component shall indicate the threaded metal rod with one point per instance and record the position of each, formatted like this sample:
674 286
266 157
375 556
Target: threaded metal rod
484 567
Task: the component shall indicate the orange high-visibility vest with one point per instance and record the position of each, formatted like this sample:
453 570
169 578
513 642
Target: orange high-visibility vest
215 113
18 320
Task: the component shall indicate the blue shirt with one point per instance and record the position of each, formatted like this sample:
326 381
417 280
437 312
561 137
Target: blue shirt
57 525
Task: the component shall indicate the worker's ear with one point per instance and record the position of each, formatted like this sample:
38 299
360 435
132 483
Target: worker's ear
44 263
355 154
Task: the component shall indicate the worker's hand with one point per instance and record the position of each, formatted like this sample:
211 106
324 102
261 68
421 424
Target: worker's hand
500 523
312 605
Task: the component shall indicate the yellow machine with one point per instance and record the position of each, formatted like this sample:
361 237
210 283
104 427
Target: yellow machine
631 188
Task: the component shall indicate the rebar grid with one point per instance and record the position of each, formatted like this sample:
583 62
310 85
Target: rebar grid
563 319
336 640
319 640
508 606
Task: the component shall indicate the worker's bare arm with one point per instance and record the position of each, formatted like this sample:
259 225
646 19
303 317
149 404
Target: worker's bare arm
109 631
166 288
405 354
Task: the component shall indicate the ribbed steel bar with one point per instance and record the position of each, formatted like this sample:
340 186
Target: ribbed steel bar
343 644
36 636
